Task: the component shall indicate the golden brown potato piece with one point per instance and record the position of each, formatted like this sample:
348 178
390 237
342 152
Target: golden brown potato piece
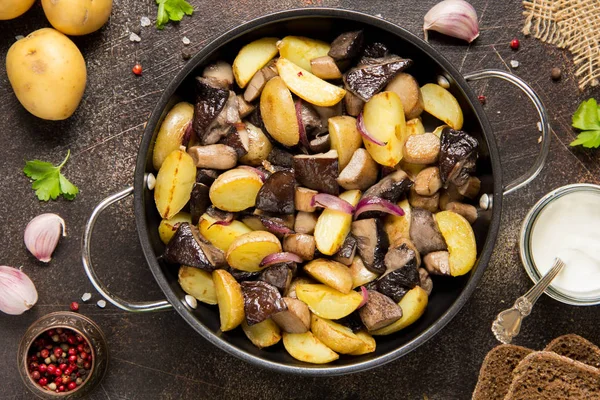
307 86
440 103
263 334
221 236
171 133
279 112
398 227
331 273
291 292
333 226
407 88
360 274
327 302
306 347
383 117
302 50
471 188
413 305
368 343
174 183
460 238
296 319
259 146
422 149
247 251
235 190
337 337
252 57
198 283
344 138
168 227
229 298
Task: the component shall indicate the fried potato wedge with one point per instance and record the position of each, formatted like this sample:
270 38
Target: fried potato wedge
229 298
253 57
247 251
331 273
168 227
413 305
174 183
306 347
460 238
337 337
263 334
300 50
327 302
368 343
235 190
440 103
198 283
333 226
221 236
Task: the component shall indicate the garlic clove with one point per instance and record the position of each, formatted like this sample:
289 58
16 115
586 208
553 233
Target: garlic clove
17 291
456 18
42 234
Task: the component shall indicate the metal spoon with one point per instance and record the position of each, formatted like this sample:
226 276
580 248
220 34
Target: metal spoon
508 323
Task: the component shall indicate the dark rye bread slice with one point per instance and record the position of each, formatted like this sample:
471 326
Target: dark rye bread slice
545 375
495 375
577 348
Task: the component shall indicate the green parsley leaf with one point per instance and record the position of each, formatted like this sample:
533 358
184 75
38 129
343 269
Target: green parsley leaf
587 119
172 10
48 182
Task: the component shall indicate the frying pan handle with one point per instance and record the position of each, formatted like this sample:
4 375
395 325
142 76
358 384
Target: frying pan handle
86 258
486 200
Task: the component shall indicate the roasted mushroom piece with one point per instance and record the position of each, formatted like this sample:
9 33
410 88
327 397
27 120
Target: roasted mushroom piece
280 157
425 233
379 311
277 193
189 247
347 46
458 156
345 254
238 140
425 281
375 50
206 176
278 275
318 171
391 187
261 300
360 172
214 156
211 99
437 263
373 75
301 244
401 273
371 242
199 201
220 71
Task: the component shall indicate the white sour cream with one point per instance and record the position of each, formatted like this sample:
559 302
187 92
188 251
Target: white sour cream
569 228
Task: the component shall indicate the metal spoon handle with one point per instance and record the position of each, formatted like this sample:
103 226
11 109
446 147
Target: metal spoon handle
536 291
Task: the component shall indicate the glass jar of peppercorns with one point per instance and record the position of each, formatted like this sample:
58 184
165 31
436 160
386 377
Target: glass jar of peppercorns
64 355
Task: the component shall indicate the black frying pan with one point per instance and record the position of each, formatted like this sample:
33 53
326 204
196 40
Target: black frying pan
449 295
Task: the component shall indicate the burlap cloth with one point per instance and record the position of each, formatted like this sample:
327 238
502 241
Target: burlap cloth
570 24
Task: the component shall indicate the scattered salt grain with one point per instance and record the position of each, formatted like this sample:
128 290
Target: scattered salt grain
145 21
134 38
86 297
101 303
185 40
191 301
19 37
514 63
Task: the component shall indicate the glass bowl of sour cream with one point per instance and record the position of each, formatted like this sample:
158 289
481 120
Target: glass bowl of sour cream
565 223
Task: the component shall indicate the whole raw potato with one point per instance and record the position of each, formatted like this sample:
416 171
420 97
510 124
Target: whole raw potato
77 17
47 73
10 9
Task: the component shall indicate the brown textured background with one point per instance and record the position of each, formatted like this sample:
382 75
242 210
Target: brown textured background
158 356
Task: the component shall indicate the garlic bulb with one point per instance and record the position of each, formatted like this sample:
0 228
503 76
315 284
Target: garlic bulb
455 18
42 234
17 291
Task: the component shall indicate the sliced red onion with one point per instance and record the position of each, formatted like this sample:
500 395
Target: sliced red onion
223 223
377 204
257 171
275 227
283 257
301 129
331 202
187 135
365 295
360 125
